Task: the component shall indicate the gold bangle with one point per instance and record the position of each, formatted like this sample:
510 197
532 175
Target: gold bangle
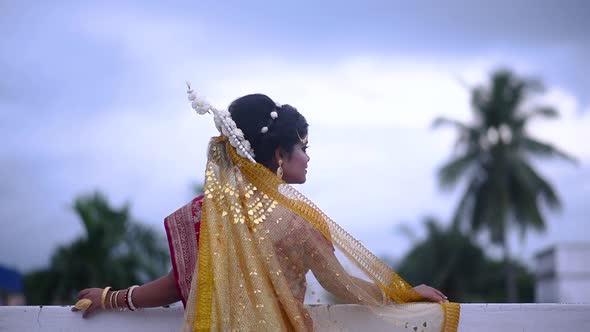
116 304
104 296
111 299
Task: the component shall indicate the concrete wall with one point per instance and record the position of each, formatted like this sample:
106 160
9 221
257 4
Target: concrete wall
474 317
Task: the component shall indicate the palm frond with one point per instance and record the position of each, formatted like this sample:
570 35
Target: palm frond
406 231
524 206
542 111
541 187
444 121
542 149
451 172
465 206
522 119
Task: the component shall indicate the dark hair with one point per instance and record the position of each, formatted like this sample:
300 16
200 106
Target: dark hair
252 112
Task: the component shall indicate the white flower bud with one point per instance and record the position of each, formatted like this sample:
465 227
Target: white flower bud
218 123
225 131
247 146
264 130
239 133
274 114
234 141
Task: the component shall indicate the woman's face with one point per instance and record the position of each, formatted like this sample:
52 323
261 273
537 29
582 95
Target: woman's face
295 166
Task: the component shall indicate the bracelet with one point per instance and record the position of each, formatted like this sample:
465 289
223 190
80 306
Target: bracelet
103 297
130 298
116 302
126 299
111 299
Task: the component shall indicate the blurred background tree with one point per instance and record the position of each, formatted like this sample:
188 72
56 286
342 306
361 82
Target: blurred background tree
453 263
197 188
493 155
115 251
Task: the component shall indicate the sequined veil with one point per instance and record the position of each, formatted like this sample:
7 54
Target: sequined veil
258 239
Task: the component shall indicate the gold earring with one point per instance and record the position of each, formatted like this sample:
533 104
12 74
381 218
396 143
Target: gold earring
280 169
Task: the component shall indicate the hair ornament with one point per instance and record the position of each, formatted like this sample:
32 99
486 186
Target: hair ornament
224 123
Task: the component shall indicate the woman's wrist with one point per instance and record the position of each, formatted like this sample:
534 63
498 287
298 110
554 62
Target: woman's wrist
123 299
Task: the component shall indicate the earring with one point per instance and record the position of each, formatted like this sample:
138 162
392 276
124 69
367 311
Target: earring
280 169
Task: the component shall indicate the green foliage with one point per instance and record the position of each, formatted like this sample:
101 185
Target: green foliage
453 263
114 251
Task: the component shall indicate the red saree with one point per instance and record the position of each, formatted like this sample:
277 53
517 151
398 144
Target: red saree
182 229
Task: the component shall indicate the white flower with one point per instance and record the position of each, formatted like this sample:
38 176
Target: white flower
264 130
200 106
274 114
239 133
243 154
246 150
224 123
234 141
223 113
231 123
247 146
218 123
225 131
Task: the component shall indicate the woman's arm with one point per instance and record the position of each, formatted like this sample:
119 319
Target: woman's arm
332 276
153 294
156 293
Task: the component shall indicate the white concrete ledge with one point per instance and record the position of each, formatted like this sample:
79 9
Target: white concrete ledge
474 317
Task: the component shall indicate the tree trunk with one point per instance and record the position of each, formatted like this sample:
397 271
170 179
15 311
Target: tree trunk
510 275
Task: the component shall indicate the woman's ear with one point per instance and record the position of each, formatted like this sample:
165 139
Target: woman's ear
280 154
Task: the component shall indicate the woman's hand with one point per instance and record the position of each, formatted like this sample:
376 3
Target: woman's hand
94 295
431 294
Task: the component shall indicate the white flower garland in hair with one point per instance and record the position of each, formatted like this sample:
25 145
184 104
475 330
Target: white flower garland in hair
224 123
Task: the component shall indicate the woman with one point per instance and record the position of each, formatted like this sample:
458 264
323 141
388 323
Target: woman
257 238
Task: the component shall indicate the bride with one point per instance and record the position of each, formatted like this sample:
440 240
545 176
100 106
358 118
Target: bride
241 252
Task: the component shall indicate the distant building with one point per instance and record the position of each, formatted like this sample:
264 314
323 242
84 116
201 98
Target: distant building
563 274
11 287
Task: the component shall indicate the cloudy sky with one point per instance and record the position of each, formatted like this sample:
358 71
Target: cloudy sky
92 97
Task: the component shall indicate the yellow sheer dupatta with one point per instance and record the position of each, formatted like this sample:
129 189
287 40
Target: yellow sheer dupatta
259 238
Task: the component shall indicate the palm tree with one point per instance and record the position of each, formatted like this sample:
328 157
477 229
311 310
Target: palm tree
114 251
493 155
